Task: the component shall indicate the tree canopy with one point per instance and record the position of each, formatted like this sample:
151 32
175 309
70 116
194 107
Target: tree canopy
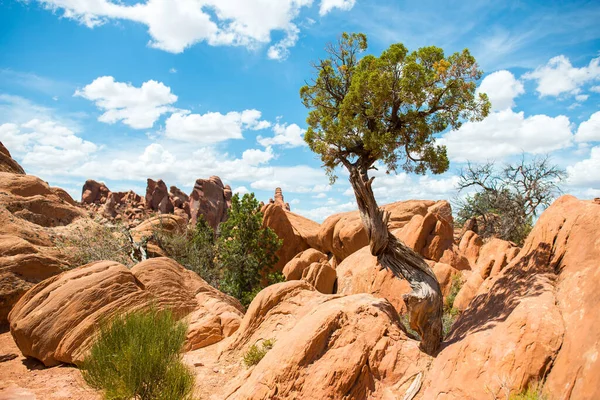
390 107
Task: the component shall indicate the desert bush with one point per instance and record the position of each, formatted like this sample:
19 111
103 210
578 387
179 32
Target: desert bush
450 313
532 392
138 356
508 199
193 248
246 250
97 242
256 353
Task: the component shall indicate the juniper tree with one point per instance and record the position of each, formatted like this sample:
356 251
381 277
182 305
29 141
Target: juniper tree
388 110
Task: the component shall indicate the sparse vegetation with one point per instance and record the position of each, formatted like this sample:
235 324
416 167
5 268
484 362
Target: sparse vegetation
508 200
138 356
239 260
533 392
451 313
246 250
194 249
256 353
97 242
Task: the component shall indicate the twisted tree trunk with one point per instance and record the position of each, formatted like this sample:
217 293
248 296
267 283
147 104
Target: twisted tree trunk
424 303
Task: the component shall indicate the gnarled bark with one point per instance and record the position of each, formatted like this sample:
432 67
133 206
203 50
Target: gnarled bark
424 303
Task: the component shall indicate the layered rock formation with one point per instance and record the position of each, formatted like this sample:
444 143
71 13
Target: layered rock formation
55 321
32 214
7 164
211 199
279 201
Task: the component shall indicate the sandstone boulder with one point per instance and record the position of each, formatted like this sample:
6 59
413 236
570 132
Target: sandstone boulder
160 223
343 234
321 275
7 164
536 322
211 199
279 201
94 192
294 269
326 347
297 232
55 321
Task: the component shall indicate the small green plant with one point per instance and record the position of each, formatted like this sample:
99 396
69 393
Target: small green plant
194 249
450 313
406 323
96 242
256 353
138 356
533 392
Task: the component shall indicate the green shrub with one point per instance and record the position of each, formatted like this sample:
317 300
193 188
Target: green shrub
256 353
97 243
194 249
138 356
533 392
450 313
246 250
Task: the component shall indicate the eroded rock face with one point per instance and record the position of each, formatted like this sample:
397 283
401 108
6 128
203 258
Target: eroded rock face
31 213
211 199
298 233
537 319
7 164
279 201
157 196
343 234
55 321
326 347
94 192
160 223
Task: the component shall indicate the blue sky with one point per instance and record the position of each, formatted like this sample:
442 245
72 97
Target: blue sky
121 91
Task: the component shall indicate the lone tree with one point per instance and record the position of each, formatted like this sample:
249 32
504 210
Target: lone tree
389 109
508 199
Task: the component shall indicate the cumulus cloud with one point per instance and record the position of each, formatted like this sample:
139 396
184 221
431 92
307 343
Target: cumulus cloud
585 172
328 5
285 135
212 127
502 88
321 213
174 25
559 77
506 133
589 131
138 107
45 145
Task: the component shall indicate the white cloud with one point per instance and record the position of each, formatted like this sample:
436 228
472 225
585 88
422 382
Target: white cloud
173 71
45 145
328 5
319 196
559 77
212 127
502 88
242 190
506 133
595 89
320 213
585 172
589 131
295 201
294 179
582 97
137 107
257 157
285 135
174 25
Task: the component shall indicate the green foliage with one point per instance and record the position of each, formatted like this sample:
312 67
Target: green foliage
256 353
246 250
194 249
533 392
450 313
390 107
138 356
97 242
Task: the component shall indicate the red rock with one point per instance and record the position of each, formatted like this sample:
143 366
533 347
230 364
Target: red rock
55 321
210 199
326 347
279 201
320 275
7 164
157 197
296 232
94 192
294 269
